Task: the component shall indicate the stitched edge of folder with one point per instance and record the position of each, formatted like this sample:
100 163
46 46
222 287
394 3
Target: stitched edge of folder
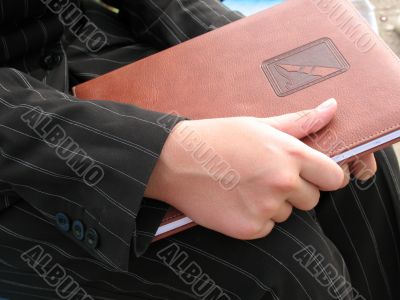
376 134
380 39
173 217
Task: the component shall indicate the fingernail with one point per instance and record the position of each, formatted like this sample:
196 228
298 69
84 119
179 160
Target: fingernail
328 103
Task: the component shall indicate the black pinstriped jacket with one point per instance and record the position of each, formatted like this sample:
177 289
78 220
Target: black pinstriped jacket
83 161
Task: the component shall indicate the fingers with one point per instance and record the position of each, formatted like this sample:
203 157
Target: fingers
304 123
320 170
316 167
347 175
283 213
364 167
265 230
306 197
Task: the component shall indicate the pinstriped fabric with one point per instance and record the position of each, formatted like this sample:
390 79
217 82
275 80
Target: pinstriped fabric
35 185
31 37
258 278
50 194
19 10
26 26
370 245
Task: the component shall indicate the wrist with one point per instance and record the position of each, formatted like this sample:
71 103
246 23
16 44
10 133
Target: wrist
162 181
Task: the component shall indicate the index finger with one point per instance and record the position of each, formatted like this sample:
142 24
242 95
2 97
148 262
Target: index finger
321 170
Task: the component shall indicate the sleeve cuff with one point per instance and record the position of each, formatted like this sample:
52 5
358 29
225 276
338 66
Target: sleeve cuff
84 164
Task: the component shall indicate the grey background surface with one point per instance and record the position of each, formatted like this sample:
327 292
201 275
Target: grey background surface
388 17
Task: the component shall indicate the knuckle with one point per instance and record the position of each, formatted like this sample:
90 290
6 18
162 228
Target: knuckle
284 213
285 216
250 229
254 230
297 153
283 219
269 207
312 201
266 230
287 182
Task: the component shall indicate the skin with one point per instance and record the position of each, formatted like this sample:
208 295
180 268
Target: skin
277 171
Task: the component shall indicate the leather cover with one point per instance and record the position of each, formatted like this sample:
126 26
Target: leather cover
285 59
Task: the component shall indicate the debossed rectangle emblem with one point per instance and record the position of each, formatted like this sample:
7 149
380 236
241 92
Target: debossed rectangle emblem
304 66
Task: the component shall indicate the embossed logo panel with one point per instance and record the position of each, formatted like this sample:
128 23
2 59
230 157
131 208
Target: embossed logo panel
304 66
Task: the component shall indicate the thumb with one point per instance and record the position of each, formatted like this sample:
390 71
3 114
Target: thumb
306 122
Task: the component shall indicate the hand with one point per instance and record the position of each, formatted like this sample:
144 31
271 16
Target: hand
363 168
277 171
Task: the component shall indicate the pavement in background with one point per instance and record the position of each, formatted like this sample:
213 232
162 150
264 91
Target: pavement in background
388 17
397 148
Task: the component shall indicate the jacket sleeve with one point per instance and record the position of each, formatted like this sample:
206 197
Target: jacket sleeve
170 22
83 164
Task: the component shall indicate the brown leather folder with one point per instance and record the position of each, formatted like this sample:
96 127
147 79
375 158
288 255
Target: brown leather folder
285 59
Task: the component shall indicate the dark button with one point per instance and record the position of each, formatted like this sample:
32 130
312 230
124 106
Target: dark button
62 222
92 238
51 60
78 230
